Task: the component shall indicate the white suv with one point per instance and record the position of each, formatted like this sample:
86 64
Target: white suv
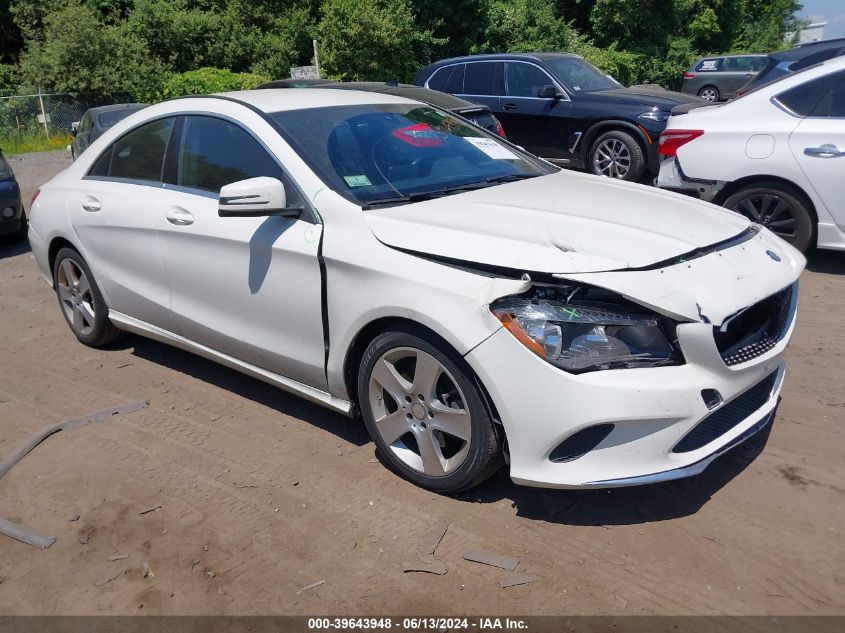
776 155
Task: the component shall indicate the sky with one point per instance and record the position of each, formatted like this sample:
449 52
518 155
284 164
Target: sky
830 11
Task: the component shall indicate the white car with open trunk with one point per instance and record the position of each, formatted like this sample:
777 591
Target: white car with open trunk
475 304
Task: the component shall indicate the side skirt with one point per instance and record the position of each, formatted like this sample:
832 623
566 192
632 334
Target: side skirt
130 324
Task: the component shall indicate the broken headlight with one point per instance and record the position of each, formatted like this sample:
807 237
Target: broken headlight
580 336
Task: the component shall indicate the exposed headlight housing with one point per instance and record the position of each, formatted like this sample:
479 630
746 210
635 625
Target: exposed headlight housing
659 116
579 332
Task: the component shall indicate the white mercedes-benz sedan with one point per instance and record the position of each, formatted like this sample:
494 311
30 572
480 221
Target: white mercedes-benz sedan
473 303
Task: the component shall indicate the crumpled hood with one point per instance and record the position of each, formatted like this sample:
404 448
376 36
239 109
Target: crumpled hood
561 223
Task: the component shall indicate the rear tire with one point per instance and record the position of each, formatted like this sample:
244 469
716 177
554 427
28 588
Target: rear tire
783 209
710 93
425 414
618 155
81 301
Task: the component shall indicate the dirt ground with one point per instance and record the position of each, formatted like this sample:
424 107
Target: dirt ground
262 494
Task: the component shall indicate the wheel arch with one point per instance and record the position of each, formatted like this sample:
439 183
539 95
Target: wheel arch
368 333
611 125
732 187
57 244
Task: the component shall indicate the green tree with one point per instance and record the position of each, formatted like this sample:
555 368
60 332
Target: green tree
526 25
207 81
92 58
371 39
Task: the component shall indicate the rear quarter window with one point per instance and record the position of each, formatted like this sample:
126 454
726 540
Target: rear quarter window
802 99
709 65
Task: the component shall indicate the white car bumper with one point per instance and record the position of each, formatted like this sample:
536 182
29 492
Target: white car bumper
651 410
672 178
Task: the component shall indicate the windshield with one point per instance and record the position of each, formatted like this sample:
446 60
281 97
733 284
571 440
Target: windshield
580 75
395 153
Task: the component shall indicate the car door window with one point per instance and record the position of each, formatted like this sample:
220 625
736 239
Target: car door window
524 80
215 153
455 81
832 104
480 79
137 155
802 99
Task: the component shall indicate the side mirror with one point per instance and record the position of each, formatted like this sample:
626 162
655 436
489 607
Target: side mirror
255 198
549 92
74 128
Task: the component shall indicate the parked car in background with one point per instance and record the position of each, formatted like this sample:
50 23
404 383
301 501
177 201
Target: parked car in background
562 108
792 60
477 305
13 224
717 78
95 121
481 115
776 155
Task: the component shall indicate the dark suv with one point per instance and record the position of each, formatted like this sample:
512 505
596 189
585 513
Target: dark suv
563 108
13 225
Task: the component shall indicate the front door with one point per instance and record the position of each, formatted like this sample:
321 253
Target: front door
247 287
539 125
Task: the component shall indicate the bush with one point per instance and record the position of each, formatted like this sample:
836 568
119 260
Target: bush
208 81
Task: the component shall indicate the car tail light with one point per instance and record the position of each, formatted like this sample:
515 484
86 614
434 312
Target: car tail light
671 140
689 75
499 129
32 202
418 135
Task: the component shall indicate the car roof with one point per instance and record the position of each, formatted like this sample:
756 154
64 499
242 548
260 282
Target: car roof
505 56
117 106
804 50
280 99
418 93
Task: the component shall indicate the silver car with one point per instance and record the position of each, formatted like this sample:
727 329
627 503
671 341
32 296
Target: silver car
717 78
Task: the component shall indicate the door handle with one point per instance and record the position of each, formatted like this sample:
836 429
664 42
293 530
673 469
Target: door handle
90 203
825 151
509 106
179 216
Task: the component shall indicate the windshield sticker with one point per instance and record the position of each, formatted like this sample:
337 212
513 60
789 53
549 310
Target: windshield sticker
492 148
357 181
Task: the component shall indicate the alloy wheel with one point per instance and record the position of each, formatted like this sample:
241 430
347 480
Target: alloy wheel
420 411
772 211
708 94
76 297
612 159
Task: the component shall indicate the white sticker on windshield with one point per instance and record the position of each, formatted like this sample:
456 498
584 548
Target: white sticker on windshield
492 148
357 181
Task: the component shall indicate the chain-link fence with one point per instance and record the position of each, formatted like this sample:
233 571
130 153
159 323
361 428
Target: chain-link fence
40 114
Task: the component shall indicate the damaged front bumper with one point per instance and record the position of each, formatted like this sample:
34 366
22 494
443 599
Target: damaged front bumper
672 178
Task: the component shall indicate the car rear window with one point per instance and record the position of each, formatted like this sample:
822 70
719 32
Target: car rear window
709 65
803 98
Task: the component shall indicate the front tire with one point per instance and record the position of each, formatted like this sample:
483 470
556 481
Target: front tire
780 208
82 304
618 155
425 414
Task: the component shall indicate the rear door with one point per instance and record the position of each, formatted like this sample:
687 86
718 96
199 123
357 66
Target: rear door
117 214
818 144
539 125
481 83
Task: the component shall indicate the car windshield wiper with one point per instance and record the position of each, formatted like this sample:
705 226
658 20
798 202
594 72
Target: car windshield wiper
439 193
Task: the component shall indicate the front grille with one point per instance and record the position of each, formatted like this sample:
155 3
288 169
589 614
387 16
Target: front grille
727 416
755 330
